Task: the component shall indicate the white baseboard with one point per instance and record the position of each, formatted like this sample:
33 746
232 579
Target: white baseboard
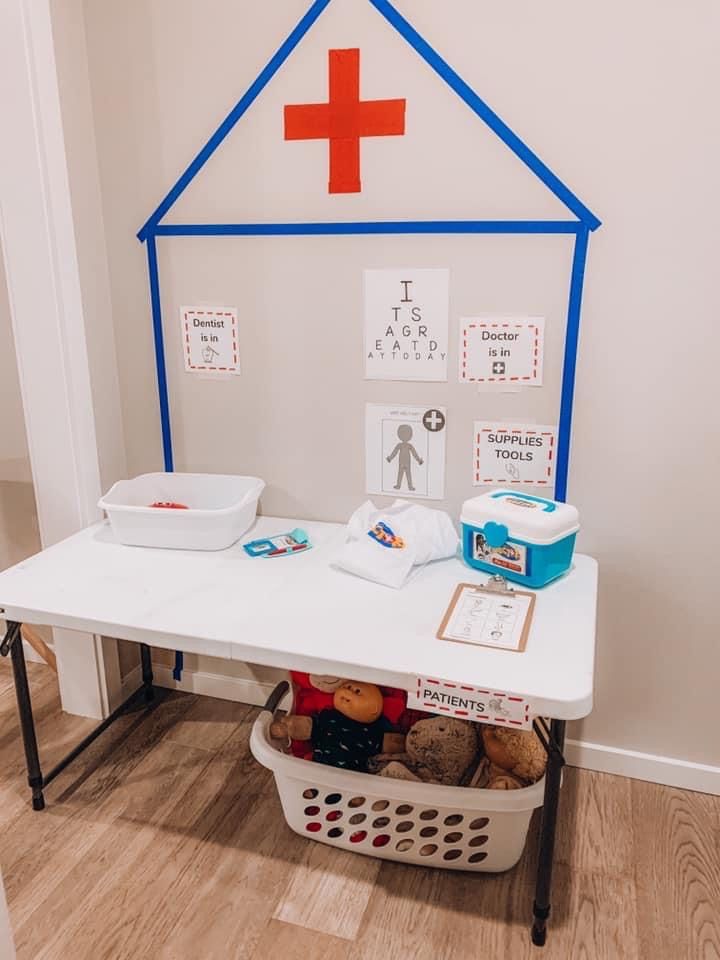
588 756
216 685
668 771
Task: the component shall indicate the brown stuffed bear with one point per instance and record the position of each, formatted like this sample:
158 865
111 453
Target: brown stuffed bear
515 752
437 750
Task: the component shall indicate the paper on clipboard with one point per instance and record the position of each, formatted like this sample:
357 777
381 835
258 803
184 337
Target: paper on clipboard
488 618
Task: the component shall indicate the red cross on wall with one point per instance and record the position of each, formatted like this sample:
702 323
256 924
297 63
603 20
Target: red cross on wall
345 120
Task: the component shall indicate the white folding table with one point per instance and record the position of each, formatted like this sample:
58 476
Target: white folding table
302 613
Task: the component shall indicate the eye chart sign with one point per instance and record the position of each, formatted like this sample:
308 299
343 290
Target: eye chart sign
514 453
210 339
406 324
471 703
502 350
405 450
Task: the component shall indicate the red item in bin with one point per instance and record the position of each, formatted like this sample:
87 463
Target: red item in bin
169 505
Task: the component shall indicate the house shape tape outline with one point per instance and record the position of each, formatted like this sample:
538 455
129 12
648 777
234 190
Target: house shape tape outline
580 226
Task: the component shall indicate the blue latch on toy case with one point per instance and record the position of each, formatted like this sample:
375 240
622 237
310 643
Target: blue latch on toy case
282 545
495 533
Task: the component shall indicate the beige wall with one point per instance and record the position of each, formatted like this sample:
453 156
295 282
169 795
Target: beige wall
618 99
14 464
19 536
79 132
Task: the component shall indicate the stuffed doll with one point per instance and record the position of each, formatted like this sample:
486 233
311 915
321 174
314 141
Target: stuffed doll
311 694
347 735
314 693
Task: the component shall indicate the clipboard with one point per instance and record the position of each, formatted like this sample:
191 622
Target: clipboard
491 615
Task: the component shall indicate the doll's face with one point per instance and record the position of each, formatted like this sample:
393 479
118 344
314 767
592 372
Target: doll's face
359 701
326 684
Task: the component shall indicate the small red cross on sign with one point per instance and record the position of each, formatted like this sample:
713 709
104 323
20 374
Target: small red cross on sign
344 120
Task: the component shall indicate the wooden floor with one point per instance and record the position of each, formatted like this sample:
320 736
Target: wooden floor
170 844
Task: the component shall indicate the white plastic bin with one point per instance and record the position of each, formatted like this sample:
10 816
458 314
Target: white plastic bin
219 510
455 828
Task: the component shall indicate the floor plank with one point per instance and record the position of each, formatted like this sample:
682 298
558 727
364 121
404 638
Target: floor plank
84 799
677 853
596 831
65 914
208 723
225 896
329 891
424 915
291 942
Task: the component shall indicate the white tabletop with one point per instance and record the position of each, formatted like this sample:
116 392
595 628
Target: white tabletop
301 613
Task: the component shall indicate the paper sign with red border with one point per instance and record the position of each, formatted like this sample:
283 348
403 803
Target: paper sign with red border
210 339
514 453
470 703
502 351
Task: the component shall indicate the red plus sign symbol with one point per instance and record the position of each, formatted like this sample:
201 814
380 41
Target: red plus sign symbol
344 120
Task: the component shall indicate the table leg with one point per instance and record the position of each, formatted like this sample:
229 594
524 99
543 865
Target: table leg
13 643
553 774
147 672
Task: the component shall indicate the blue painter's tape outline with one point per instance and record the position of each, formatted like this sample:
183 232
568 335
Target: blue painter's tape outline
431 57
587 221
240 108
159 353
178 666
386 227
486 114
572 334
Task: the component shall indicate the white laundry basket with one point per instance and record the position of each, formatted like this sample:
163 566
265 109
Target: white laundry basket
455 828
220 508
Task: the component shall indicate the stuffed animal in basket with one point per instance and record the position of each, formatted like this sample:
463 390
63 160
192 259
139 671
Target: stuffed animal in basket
347 735
513 759
311 693
437 750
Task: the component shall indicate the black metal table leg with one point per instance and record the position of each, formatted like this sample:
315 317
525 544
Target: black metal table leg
147 672
554 744
13 643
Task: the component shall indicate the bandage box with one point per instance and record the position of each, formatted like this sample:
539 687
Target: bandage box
525 538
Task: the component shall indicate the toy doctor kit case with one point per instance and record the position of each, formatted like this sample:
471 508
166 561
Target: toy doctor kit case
524 538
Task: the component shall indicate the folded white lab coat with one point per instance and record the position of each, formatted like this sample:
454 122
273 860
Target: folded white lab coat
427 535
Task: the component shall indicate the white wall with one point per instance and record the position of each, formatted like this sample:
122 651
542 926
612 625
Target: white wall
78 128
14 464
50 308
619 100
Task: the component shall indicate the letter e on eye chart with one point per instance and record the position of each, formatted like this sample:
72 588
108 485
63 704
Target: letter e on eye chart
511 453
405 450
